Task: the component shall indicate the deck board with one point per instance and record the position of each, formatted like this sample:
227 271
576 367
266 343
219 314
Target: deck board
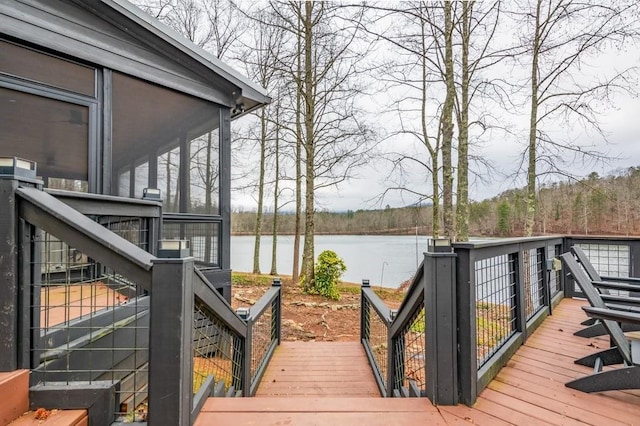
319 369
316 384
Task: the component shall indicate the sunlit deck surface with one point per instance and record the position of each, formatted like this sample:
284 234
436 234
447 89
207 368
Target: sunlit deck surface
530 390
67 302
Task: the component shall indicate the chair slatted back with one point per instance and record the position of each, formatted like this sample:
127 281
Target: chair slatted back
593 296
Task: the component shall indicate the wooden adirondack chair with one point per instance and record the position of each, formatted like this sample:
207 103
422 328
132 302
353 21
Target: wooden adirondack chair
626 377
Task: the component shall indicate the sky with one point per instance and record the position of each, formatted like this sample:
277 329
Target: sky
620 121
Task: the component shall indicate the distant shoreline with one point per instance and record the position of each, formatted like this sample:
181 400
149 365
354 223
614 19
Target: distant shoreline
285 234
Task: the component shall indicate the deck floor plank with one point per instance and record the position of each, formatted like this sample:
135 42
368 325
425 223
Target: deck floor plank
327 383
335 361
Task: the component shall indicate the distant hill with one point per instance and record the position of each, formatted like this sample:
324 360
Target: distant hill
594 205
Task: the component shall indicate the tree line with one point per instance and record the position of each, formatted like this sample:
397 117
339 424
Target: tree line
454 74
591 206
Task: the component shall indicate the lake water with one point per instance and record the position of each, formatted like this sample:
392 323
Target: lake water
384 260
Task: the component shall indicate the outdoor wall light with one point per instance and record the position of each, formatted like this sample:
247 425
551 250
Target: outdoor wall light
14 167
243 313
173 249
440 245
151 194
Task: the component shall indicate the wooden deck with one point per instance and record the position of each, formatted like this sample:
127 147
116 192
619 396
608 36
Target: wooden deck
528 391
319 369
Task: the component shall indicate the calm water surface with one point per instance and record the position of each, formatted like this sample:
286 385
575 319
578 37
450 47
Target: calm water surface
384 260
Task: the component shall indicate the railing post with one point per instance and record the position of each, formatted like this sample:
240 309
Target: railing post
245 314
441 346
15 320
395 358
518 271
277 315
9 313
170 342
568 285
364 313
467 332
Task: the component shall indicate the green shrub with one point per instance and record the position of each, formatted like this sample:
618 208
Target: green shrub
328 270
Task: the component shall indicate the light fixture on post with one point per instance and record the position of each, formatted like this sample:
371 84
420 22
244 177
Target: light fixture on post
243 313
17 168
440 245
173 249
151 194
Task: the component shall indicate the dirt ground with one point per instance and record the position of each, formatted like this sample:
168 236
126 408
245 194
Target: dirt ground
311 317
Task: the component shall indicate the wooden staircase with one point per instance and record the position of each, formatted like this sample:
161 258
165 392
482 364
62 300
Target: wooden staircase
14 409
319 383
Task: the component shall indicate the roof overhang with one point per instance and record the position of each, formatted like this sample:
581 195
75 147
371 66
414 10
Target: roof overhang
249 95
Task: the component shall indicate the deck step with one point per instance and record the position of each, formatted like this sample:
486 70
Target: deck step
319 411
53 418
14 394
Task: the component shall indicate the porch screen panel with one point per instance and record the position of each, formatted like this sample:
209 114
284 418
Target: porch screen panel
204 190
168 173
51 132
156 124
46 69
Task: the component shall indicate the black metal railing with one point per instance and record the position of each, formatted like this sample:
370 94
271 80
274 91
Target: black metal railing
114 317
468 309
202 231
394 341
263 335
612 257
511 288
375 321
137 221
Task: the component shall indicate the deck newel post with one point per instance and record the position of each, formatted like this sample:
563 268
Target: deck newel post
395 358
441 345
568 285
516 260
364 314
8 275
277 315
170 342
466 320
245 314
15 315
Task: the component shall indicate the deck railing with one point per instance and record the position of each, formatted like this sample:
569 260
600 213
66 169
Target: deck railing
505 289
263 335
468 309
394 341
151 337
375 320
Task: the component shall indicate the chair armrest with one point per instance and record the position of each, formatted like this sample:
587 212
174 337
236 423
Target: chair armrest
616 286
629 280
612 314
623 300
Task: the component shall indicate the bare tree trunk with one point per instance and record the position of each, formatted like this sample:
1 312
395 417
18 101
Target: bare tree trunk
462 199
258 233
274 233
168 187
308 252
295 274
208 188
433 150
447 127
533 122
